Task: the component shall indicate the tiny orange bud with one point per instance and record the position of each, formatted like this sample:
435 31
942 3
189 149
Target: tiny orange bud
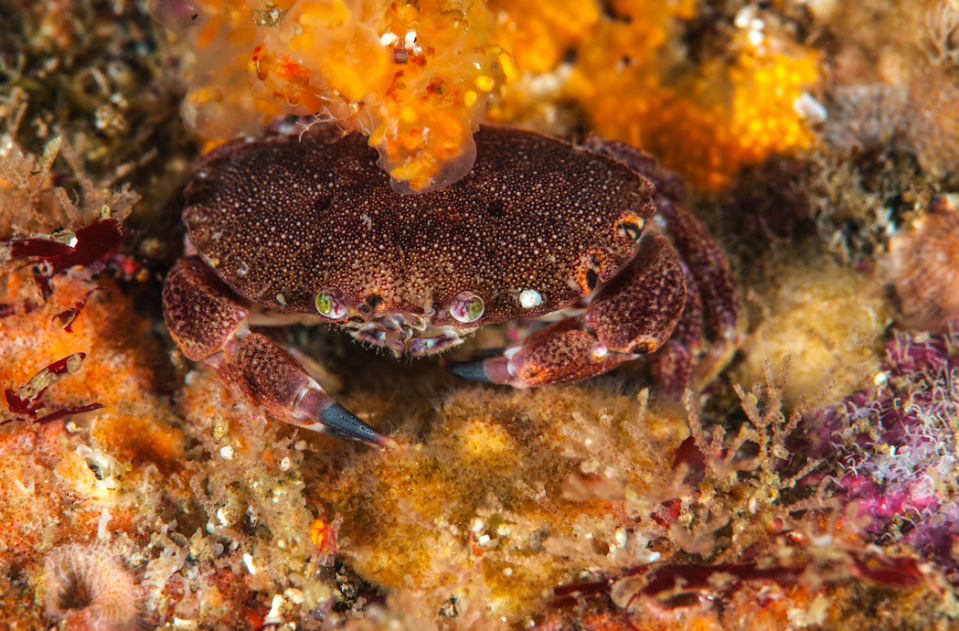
323 536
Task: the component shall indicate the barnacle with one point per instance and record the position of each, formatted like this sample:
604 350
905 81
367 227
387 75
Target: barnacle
416 77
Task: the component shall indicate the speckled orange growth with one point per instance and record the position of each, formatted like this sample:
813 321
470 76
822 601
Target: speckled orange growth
133 429
469 508
705 119
417 78
706 122
537 33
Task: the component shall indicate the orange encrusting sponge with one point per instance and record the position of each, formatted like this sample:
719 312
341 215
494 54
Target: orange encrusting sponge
706 121
632 80
416 79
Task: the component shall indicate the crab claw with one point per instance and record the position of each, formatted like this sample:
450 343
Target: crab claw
559 353
485 366
269 375
209 323
334 419
485 369
633 315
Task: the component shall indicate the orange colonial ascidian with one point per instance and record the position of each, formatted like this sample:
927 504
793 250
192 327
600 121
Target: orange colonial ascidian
707 121
414 77
537 33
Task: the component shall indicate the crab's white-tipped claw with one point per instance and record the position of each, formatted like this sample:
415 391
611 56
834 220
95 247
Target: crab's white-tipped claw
271 377
205 317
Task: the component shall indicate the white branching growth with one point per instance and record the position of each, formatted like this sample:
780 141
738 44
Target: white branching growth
767 430
701 536
770 430
30 202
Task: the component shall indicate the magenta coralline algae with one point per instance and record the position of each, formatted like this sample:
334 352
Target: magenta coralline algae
894 446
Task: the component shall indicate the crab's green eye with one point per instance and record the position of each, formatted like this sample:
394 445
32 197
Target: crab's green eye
330 304
467 307
324 304
474 308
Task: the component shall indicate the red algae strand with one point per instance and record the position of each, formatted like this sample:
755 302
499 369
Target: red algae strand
27 401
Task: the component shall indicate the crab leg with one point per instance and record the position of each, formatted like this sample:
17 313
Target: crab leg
560 353
708 269
674 364
633 315
208 322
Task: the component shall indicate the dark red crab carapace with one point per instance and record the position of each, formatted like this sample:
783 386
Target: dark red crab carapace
307 228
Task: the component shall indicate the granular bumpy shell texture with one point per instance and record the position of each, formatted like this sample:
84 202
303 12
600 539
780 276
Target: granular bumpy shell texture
632 315
283 219
198 314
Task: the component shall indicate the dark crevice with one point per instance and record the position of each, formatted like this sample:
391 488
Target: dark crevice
322 204
591 279
77 594
496 209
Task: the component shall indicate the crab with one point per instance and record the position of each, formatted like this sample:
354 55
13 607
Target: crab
295 229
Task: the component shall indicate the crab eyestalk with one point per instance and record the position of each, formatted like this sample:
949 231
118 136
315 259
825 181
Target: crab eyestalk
467 307
330 304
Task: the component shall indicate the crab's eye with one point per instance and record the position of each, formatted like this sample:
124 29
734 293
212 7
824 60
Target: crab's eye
330 304
467 307
631 229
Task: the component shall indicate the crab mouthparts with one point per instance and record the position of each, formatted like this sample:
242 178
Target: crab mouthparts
407 333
